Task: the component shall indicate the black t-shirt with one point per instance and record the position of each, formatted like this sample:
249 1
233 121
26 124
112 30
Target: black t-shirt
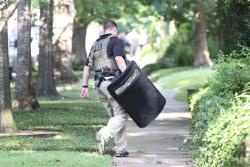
115 47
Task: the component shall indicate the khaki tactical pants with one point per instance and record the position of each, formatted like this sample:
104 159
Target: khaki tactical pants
116 127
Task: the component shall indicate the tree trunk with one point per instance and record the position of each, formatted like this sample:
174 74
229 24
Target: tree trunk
6 13
46 84
79 42
64 14
25 93
7 124
202 58
221 27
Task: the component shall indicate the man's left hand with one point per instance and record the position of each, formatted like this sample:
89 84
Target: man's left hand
84 93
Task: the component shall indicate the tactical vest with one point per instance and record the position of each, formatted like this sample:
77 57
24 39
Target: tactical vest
99 55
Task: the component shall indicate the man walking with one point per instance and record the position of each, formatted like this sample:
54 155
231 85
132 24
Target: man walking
107 58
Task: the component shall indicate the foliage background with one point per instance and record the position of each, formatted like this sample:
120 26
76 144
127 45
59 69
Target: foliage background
221 114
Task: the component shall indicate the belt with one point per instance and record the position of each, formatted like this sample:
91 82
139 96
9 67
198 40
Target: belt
103 70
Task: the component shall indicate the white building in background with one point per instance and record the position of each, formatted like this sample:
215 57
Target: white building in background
94 30
12 41
35 45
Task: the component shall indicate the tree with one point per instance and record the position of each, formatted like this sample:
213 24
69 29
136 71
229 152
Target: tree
46 84
79 42
188 11
7 124
202 57
234 25
25 92
87 11
64 13
99 11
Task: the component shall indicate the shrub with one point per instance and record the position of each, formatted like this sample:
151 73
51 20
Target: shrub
148 69
181 46
221 138
221 114
213 47
231 74
181 49
205 107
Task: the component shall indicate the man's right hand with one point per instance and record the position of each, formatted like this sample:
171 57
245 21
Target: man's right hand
84 93
120 63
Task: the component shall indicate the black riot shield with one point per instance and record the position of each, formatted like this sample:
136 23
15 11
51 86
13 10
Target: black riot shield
134 91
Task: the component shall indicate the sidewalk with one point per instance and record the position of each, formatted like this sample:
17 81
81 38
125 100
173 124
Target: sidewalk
160 144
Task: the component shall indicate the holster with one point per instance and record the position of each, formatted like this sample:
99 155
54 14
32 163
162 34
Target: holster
100 76
98 80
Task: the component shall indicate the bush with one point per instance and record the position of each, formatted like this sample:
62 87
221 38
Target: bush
148 69
205 107
219 132
221 114
231 74
213 47
181 47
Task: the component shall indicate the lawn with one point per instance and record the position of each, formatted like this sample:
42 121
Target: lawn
181 78
77 121
55 159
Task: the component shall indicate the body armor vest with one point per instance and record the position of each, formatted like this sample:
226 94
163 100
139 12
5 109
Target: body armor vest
99 55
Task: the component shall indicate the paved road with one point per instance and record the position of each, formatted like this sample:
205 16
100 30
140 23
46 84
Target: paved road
161 143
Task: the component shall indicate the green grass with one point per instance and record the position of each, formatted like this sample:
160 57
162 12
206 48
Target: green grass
77 121
181 78
55 159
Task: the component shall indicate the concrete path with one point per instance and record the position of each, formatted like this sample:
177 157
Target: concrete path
161 143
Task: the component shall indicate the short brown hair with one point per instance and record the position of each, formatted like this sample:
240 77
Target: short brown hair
109 25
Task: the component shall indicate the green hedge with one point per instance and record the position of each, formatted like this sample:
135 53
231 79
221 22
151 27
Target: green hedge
181 47
221 115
